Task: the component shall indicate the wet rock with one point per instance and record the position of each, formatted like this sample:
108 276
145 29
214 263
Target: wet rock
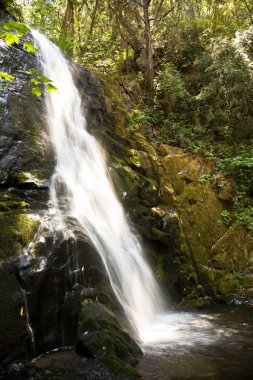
100 332
16 369
13 333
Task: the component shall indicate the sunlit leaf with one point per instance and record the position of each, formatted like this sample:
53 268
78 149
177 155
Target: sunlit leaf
20 28
30 47
44 79
35 81
36 91
10 38
50 87
33 71
6 76
22 311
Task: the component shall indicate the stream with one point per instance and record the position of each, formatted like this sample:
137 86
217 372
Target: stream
215 344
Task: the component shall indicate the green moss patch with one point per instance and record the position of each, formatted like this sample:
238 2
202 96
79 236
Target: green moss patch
100 333
16 231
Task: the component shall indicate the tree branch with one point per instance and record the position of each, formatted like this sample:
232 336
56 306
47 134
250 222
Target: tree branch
166 13
249 10
138 2
159 8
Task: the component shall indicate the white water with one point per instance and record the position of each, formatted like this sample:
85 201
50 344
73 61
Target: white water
90 199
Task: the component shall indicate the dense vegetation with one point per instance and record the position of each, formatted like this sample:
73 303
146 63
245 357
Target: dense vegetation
192 60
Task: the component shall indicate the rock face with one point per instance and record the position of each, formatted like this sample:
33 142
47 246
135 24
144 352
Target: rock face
23 148
100 333
178 212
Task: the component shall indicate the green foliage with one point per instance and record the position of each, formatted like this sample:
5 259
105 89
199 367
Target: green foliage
244 208
13 30
226 216
13 7
30 47
171 88
204 178
6 76
42 80
10 38
20 28
145 119
36 91
224 100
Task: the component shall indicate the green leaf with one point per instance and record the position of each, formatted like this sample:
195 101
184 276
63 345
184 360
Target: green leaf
1 88
10 38
36 91
44 79
33 71
51 88
18 26
29 47
6 76
35 81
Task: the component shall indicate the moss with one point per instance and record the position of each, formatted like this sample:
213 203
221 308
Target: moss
22 177
105 294
160 267
13 205
99 331
158 234
35 178
198 303
16 231
206 276
119 366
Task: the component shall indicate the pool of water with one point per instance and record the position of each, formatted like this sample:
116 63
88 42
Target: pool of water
214 344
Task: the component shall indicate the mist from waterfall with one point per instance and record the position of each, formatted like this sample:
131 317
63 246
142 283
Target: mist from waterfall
89 197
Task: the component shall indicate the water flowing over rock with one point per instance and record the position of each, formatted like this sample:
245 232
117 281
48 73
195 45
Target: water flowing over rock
89 197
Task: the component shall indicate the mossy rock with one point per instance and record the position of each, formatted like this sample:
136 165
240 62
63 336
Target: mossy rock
16 231
197 303
30 179
234 250
100 333
13 205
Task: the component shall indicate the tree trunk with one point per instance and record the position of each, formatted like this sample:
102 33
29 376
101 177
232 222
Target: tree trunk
68 28
149 71
92 23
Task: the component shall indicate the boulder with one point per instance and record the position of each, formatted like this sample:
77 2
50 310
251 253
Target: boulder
100 333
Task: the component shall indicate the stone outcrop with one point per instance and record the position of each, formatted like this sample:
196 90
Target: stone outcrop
177 210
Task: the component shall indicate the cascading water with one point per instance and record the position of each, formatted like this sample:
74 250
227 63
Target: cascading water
90 199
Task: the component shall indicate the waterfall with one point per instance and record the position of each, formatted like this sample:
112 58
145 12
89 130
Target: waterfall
89 197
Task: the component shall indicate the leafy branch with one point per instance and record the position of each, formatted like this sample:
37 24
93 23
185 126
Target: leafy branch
38 79
11 33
